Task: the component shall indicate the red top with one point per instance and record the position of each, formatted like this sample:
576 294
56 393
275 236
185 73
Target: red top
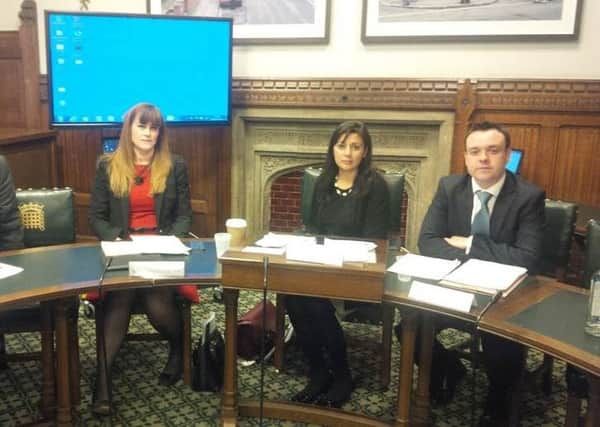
141 203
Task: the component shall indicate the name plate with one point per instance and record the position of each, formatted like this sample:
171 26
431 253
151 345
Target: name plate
442 297
157 269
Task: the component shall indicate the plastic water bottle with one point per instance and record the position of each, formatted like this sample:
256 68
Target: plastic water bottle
592 325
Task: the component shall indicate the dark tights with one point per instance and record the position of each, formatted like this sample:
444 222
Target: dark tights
163 314
321 338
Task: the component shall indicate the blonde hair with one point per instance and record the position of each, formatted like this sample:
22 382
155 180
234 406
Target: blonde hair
121 163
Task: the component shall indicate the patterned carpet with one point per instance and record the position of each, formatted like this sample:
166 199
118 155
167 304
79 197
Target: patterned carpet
140 401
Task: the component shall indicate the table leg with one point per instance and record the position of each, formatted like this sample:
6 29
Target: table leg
280 335
229 400
63 409
409 333
47 354
422 409
592 417
386 343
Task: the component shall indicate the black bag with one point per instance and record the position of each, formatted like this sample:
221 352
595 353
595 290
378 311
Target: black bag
208 362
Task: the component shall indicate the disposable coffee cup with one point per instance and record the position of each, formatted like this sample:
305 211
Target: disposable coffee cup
237 228
222 243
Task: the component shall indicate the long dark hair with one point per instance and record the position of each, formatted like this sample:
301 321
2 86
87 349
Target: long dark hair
361 183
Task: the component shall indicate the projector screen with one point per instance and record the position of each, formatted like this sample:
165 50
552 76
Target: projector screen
100 65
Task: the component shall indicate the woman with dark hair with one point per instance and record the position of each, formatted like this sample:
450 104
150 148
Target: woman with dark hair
351 199
140 188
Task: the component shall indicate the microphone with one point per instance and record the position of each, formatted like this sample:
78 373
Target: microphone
263 337
100 318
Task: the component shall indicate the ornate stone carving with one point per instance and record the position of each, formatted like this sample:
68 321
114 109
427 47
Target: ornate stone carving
264 149
28 14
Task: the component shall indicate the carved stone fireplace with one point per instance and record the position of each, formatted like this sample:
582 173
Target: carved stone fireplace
270 142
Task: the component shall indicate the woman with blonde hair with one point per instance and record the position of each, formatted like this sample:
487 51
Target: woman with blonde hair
141 188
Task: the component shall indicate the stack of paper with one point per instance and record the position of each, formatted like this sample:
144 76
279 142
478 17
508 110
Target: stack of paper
423 267
165 245
274 240
306 249
486 277
140 244
353 250
318 254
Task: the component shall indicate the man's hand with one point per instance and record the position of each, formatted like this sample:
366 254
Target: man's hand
459 242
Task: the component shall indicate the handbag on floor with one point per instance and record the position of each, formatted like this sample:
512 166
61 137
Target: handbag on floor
249 331
208 358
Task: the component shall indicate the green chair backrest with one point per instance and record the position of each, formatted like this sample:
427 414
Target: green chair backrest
591 262
47 215
395 182
556 249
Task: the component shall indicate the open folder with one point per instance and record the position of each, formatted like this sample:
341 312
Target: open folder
485 277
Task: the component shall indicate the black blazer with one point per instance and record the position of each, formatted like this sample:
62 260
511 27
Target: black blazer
109 215
516 225
11 232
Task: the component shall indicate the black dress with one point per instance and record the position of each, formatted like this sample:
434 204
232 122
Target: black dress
318 332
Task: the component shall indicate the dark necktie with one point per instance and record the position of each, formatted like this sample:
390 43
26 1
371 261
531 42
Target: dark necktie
481 221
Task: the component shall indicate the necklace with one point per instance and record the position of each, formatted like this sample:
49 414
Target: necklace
141 175
342 192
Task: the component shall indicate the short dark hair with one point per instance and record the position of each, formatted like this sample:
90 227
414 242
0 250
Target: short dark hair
483 126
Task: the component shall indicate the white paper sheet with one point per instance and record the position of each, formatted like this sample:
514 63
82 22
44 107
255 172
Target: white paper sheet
157 269
121 247
353 250
422 266
314 253
168 245
7 270
266 251
275 240
442 297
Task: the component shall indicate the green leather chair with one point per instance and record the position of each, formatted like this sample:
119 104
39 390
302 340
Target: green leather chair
48 218
556 251
577 384
395 182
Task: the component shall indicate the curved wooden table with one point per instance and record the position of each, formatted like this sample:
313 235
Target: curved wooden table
53 274
550 316
360 282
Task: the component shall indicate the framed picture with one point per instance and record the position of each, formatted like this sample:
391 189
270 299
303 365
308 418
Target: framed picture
448 20
260 22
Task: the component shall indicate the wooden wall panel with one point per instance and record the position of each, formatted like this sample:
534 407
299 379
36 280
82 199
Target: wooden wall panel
577 163
11 81
560 149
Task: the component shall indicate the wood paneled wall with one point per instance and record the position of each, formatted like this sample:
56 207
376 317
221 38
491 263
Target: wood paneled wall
19 73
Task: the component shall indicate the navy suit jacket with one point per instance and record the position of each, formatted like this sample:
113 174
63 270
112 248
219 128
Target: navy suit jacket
516 224
109 215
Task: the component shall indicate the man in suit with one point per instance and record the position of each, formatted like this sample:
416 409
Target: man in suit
492 215
11 232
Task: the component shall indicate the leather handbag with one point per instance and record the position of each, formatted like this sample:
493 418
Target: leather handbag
250 329
208 363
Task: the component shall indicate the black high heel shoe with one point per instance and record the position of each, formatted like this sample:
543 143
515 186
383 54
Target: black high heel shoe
313 390
442 391
339 393
102 408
